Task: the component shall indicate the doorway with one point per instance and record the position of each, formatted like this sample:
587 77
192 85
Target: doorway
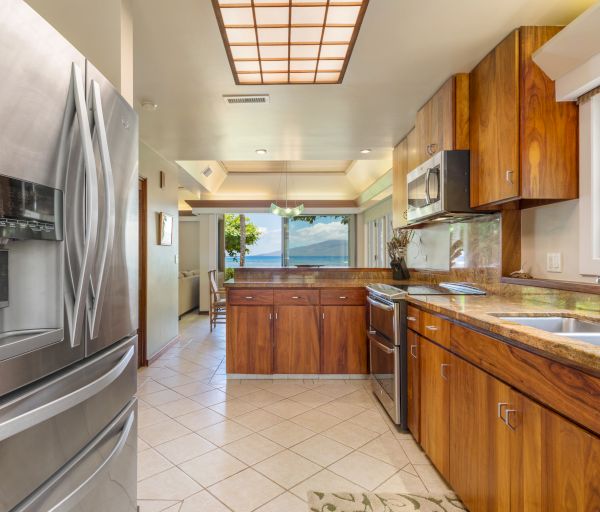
142 269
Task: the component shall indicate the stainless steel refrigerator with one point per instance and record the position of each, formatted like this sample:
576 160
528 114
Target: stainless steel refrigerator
68 276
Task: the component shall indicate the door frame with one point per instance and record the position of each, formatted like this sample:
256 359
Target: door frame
143 271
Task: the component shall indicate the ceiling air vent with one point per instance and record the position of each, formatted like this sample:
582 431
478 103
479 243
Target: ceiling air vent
238 99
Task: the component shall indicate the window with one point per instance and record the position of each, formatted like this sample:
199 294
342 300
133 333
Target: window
379 233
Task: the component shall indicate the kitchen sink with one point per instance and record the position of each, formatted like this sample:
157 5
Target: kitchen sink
566 326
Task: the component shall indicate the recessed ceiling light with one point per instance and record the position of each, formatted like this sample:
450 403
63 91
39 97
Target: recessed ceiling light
292 42
261 151
149 106
365 151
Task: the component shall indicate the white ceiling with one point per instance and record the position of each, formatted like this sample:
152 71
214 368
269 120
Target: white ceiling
289 166
405 50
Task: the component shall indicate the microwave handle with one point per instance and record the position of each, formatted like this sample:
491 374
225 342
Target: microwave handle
427 195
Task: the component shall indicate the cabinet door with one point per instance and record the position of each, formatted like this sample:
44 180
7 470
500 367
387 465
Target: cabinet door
479 439
494 125
555 463
413 377
435 402
425 126
344 339
297 347
412 150
249 339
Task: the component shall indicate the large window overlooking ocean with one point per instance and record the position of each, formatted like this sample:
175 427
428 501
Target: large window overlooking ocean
271 241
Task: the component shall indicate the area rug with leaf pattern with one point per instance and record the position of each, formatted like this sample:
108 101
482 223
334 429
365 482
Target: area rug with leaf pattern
382 502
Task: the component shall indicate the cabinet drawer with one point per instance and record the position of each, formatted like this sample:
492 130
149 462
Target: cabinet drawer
248 297
301 297
435 328
413 316
343 296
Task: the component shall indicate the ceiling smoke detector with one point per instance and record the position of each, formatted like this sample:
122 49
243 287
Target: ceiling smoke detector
149 106
207 172
246 99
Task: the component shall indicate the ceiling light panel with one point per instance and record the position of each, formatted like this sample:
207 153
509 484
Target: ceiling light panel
289 41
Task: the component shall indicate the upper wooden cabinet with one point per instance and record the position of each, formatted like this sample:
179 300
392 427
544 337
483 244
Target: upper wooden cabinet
443 122
523 143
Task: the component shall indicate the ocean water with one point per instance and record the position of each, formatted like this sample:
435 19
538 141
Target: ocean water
275 261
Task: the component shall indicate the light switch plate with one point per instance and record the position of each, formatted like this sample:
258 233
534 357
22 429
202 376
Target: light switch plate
554 262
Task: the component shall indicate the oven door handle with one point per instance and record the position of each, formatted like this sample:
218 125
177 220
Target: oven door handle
381 346
380 305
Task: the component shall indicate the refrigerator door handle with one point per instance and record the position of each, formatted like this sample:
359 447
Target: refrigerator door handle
29 419
76 309
69 472
105 246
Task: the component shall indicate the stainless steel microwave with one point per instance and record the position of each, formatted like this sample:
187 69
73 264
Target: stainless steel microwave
439 189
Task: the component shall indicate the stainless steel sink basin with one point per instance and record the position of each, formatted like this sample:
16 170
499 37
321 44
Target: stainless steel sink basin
568 327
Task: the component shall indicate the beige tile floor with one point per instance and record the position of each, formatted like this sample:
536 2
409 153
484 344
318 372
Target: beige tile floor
210 444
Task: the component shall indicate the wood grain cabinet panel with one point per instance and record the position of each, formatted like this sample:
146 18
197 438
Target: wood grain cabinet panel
412 150
248 296
296 297
344 339
523 142
343 296
435 404
249 339
413 389
297 343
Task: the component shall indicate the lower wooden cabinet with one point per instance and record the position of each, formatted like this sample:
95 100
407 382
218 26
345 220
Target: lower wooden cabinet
297 342
435 400
250 339
344 339
413 388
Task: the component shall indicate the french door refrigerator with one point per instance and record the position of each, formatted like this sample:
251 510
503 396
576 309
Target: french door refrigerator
68 276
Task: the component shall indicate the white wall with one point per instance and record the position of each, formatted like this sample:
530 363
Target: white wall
189 244
162 292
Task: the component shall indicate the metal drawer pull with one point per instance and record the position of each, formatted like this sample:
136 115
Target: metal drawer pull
343 297
431 328
507 418
509 176
372 331
295 297
413 351
249 298
500 406
384 348
411 318
443 367
275 316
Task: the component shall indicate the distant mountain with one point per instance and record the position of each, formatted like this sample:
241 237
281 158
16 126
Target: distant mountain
326 248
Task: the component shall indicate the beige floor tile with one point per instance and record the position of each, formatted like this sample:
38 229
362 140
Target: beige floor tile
149 386
349 434
156 372
176 380
364 470
432 479
150 416
341 410
172 484
311 398
162 432
180 407
316 420
338 389
287 408
322 450
287 389
212 397
200 419
233 408
245 491
174 508
325 481
162 397
413 452
155 505
252 449
259 420
287 468
225 432
371 420
259 383
403 481
287 433
184 366
262 398
142 445
237 389
388 449
193 388
212 467
203 502
286 502
185 448
150 462
361 398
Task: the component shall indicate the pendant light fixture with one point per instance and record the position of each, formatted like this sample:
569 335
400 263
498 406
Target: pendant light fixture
286 211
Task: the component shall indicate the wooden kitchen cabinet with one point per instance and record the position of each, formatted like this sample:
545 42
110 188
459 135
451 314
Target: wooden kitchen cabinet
523 143
412 150
435 404
413 385
344 339
250 339
297 347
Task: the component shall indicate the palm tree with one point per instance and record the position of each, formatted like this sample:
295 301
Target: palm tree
242 240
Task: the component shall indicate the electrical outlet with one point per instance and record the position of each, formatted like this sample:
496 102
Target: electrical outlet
554 262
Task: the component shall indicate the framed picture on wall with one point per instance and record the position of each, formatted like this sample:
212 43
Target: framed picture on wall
165 229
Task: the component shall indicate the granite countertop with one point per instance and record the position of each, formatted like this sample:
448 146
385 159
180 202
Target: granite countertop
478 311
309 282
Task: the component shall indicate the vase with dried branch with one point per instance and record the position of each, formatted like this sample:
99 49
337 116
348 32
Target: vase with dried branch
397 250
